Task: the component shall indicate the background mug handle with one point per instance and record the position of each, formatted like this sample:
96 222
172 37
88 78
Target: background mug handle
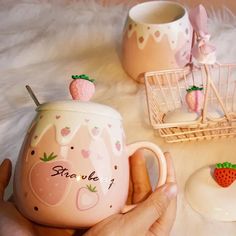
159 160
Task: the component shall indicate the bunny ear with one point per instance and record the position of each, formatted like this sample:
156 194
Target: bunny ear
198 18
202 51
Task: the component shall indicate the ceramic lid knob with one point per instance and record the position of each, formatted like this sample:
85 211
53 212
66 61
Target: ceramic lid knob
82 87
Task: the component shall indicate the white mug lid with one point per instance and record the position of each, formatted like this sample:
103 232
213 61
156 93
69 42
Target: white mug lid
81 107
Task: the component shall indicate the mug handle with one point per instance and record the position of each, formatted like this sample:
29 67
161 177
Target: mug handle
159 160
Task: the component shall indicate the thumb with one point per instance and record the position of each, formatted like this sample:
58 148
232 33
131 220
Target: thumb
150 210
5 175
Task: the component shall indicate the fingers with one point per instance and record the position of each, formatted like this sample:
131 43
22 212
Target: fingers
167 219
52 231
170 169
130 193
139 177
5 175
150 210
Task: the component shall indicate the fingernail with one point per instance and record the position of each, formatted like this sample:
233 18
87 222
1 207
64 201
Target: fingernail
170 190
5 162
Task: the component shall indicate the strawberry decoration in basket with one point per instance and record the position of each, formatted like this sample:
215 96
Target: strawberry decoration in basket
82 87
194 98
225 174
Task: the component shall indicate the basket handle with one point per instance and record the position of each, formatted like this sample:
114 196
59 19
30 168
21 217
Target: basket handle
208 84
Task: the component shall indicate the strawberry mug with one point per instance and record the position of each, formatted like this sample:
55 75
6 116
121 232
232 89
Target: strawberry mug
73 168
157 36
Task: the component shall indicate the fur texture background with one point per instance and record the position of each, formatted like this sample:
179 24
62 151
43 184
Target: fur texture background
42 43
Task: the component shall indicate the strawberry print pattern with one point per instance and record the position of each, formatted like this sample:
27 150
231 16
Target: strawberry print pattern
87 197
48 189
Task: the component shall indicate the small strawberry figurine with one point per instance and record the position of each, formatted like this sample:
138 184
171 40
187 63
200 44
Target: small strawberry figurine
225 174
82 87
194 98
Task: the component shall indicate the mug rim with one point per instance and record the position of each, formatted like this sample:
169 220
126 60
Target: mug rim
157 3
80 107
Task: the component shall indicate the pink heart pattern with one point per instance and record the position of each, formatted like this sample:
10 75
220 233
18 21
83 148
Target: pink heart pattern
95 131
99 157
85 153
118 145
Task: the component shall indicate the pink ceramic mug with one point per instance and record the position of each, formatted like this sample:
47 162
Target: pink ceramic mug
73 169
157 36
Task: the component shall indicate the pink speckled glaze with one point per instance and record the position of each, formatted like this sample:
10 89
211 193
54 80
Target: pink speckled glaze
157 36
86 176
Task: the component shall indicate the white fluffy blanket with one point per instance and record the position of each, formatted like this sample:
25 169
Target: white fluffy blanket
42 43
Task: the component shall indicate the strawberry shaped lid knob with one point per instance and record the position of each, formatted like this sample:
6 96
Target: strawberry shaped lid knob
225 174
82 87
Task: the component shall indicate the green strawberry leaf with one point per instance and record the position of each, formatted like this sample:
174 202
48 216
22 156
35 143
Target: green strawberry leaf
46 158
219 165
88 186
91 189
226 165
83 76
194 88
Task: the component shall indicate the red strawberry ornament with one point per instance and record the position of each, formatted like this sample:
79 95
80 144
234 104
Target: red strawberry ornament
225 174
87 197
48 188
194 98
82 87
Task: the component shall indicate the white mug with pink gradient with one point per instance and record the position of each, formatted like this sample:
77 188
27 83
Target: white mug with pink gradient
157 36
73 169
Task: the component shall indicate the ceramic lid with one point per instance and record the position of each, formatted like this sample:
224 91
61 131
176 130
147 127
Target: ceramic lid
209 199
82 107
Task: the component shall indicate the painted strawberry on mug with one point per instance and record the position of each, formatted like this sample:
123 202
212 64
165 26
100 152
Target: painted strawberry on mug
65 131
48 188
82 87
118 145
87 197
194 98
225 174
95 131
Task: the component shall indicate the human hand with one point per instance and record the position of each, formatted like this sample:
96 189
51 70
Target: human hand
12 223
159 208
153 216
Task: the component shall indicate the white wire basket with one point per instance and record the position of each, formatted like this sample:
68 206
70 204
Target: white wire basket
166 92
